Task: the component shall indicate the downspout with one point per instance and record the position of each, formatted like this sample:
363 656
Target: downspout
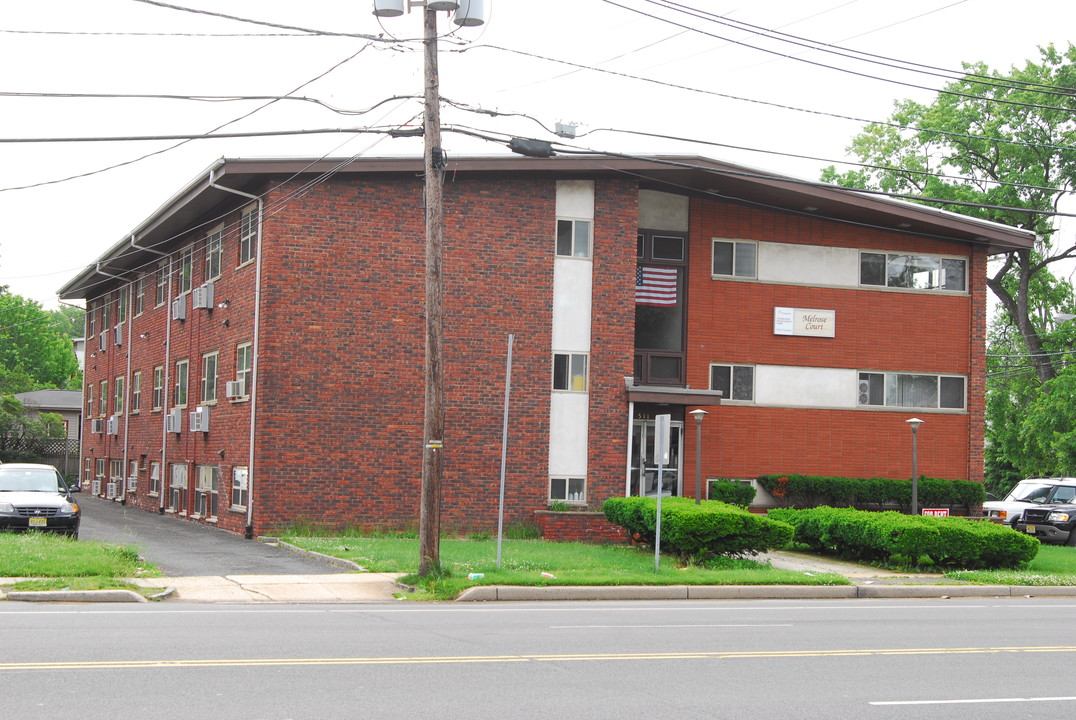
127 394
249 530
163 486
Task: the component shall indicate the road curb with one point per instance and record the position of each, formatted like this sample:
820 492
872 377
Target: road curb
76 596
334 561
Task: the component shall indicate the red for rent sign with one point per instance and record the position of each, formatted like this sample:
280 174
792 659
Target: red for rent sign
936 512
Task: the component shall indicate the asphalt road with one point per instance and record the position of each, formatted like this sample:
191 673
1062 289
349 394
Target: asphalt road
884 659
182 548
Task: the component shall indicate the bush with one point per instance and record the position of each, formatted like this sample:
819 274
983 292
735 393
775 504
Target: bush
732 492
690 530
870 493
878 536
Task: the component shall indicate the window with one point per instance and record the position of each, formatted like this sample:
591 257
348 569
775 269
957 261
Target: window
115 468
121 307
667 247
180 396
158 387
913 272
214 245
570 372
239 487
132 474
912 391
206 485
136 392
117 403
248 234
139 295
89 399
162 284
736 382
244 366
573 238
734 258
103 399
91 322
87 469
177 498
567 489
209 377
106 313
155 478
186 259
100 468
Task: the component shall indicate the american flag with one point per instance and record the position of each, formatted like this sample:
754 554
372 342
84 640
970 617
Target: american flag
655 285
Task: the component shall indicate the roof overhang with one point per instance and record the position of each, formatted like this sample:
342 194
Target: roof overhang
212 193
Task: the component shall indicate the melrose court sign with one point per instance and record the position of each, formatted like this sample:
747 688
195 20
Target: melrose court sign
801 321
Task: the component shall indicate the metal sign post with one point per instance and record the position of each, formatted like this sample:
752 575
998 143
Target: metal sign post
661 449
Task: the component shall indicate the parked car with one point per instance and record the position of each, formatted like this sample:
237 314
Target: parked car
1030 493
35 497
1055 525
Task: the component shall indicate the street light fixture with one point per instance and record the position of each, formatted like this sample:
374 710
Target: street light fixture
698 414
914 423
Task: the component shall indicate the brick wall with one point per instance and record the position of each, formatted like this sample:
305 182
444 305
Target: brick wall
589 527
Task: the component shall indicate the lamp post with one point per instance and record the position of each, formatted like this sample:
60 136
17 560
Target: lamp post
698 414
433 428
914 423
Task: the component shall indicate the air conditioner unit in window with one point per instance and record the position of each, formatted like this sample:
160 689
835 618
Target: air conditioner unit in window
864 392
102 340
95 487
118 332
96 426
112 490
112 427
179 308
200 420
234 389
173 421
202 297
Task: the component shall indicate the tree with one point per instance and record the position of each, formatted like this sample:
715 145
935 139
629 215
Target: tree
1001 146
22 433
33 353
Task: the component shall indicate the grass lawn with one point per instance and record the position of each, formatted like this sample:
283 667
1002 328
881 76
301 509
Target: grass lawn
1053 565
61 562
524 561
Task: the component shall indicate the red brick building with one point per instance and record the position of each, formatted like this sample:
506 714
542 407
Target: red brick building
255 348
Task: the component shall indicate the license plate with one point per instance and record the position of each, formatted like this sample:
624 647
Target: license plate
1030 529
38 522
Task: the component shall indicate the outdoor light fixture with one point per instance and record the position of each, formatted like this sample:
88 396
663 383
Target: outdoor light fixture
914 424
698 414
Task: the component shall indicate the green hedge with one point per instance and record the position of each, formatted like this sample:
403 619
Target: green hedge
870 493
687 529
950 542
732 492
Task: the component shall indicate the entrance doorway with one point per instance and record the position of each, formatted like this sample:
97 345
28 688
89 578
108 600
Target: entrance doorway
644 462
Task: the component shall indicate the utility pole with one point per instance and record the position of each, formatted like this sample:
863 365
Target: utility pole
433 427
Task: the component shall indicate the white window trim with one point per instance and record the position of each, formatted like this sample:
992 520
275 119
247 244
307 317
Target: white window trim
930 291
586 374
251 211
590 238
581 500
214 238
186 376
732 370
204 385
753 277
904 408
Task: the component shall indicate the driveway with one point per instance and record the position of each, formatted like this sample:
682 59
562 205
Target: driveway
183 548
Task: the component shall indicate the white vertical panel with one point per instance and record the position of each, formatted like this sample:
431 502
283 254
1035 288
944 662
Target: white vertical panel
575 199
568 428
572 291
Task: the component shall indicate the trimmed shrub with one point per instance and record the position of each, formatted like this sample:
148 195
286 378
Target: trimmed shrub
950 542
870 493
690 530
732 492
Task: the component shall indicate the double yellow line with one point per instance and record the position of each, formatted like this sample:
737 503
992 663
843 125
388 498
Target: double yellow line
579 657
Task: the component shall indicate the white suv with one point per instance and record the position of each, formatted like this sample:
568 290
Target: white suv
1033 492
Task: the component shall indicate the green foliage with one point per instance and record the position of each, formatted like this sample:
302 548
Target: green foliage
690 530
22 433
33 354
732 492
881 536
870 493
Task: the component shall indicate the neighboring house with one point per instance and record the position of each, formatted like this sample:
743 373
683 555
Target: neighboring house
65 403
255 347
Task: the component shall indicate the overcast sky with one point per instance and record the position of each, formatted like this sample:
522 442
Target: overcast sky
667 73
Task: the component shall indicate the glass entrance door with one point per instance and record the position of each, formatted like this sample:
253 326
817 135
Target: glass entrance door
644 462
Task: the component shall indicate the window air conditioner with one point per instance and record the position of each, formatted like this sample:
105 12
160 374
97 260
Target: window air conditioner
202 297
102 340
864 392
118 334
179 308
111 490
200 420
173 421
234 389
113 425
95 487
96 426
